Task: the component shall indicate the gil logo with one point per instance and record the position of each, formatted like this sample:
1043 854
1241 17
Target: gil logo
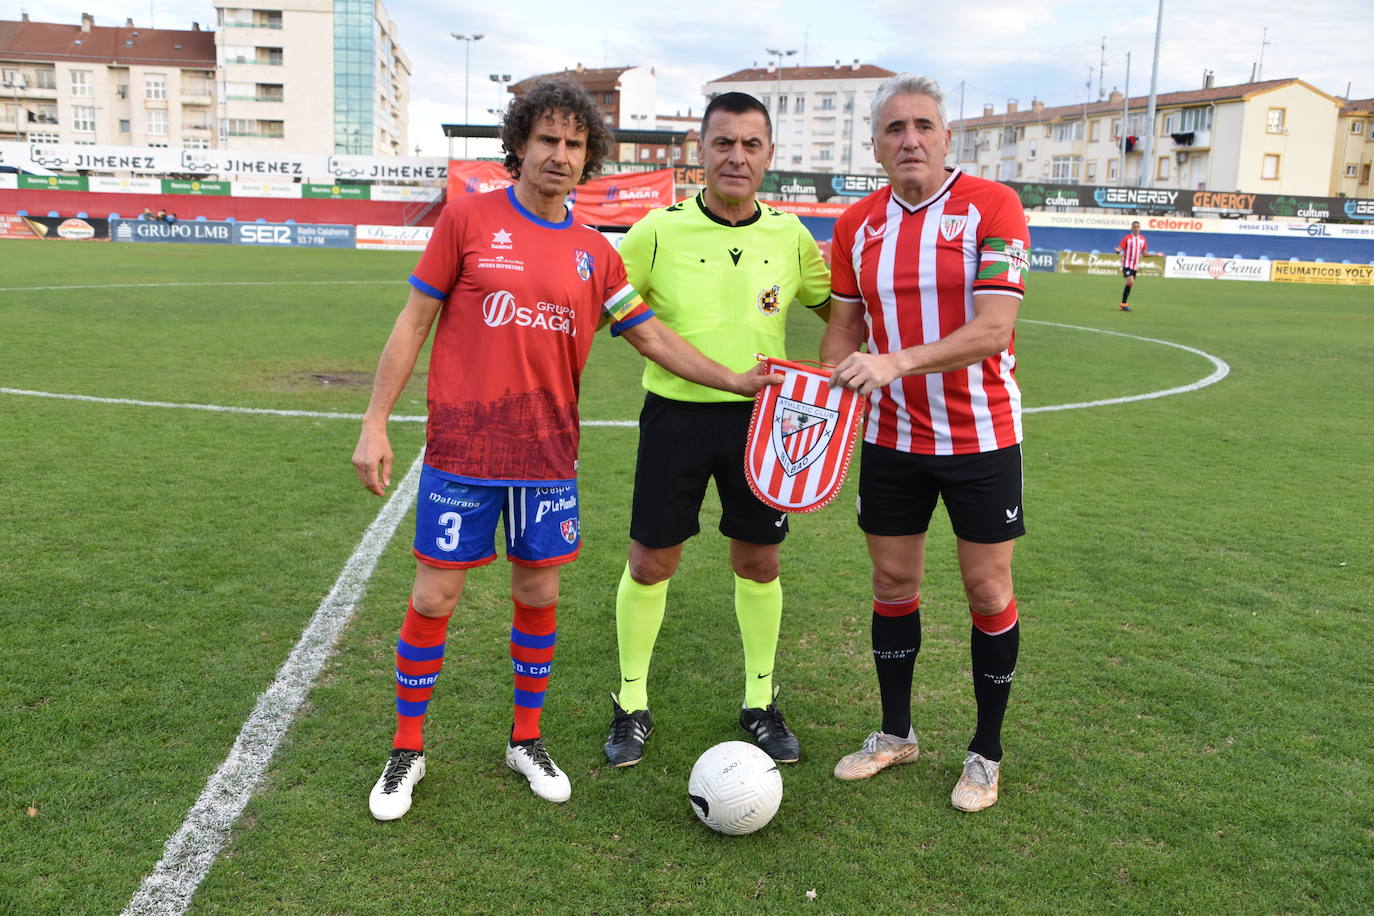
768 300
583 261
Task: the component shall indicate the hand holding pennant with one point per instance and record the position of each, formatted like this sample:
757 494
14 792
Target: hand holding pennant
801 437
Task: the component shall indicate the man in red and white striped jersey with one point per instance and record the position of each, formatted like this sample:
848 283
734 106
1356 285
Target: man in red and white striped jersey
1131 248
929 272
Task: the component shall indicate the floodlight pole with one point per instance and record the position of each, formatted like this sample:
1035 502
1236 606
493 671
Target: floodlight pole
777 101
467 57
1147 176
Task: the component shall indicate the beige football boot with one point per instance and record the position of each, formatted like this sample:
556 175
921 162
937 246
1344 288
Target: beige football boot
977 787
879 752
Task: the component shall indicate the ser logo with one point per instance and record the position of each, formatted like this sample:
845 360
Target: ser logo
265 235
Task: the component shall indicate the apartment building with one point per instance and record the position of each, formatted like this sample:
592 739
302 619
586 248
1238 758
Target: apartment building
1269 137
311 76
626 97
299 76
820 114
1353 153
106 85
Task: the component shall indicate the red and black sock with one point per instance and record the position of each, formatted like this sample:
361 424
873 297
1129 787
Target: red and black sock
994 643
896 643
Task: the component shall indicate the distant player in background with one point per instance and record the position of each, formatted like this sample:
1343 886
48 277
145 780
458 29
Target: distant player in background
720 269
930 272
1131 248
518 290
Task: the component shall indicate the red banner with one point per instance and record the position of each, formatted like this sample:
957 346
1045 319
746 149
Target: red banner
622 199
801 437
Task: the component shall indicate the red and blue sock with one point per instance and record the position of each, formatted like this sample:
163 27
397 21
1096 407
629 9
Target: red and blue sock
533 634
419 656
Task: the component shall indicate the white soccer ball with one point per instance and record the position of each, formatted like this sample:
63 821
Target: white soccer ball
735 788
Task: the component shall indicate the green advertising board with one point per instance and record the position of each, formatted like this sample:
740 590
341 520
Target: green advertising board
53 183
337 191
204 188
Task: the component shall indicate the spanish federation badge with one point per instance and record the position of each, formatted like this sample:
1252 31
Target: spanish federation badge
801 437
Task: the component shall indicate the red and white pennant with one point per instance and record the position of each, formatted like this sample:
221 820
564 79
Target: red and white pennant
801 437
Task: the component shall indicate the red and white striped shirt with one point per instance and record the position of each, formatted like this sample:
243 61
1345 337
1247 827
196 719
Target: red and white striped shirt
916 269
1132 247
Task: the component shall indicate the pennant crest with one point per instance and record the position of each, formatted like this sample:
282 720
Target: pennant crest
801 437
951 227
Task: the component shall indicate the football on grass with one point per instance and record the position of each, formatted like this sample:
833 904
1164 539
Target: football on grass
735 788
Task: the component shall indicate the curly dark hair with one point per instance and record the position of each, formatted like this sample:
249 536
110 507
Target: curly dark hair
557 94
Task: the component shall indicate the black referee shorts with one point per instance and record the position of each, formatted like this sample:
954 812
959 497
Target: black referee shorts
982 493
682 445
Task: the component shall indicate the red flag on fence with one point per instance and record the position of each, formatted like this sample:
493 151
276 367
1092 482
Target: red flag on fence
801 437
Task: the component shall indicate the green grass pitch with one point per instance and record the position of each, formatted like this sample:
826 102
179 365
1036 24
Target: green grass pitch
1190 729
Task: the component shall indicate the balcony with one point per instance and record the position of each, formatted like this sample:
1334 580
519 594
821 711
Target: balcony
197 98
1192 140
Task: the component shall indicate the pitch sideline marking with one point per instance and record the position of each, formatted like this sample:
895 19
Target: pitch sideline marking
1220 371
192 850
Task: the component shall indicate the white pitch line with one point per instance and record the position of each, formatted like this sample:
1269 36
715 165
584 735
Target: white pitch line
220 408
191 851
22 289
1220 372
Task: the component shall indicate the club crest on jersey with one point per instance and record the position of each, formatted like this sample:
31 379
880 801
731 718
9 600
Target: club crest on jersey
951 227
769 300
583 261
801 433
500 240
568 527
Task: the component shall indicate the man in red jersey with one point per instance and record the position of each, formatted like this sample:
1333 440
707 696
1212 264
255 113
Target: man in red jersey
1131 248
518 291
929 272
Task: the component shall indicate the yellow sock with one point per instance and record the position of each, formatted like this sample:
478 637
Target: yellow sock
638 615
758 608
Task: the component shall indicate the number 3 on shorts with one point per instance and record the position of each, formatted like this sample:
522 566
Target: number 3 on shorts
450 522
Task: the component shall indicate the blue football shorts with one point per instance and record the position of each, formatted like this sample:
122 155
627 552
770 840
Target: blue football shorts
455 523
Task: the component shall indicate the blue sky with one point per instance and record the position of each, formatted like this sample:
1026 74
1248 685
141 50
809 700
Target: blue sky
999 49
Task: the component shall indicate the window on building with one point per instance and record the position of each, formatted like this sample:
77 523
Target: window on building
157 145
270 56
9 76
122 90
1068 130
797 127
81 84
825 154
42 138
1194 119
1116 128
1357 127
1274 120
195 142
1364 173
1032 147
1049 130
1113 169
157 122
801 105
662 152
1270 167
83 119
237 54
782 104
1094 130
123 125
827 103
155 86
43 113
983 172
1090 171
1065 168
235 17
1162 168
796 158
269 92
1351 170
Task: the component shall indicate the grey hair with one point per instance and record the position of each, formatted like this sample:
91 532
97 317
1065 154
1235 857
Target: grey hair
906 84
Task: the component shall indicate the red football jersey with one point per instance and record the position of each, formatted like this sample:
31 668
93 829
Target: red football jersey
1132 247
916 268
522 299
